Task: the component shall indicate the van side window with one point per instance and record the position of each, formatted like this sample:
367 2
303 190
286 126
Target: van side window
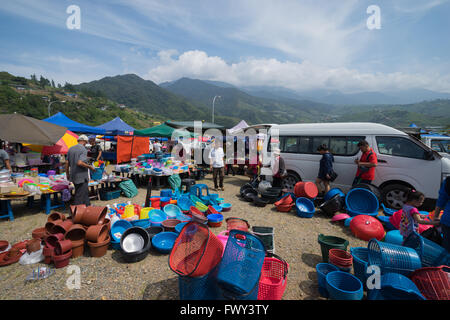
317 141
400 147
352 145
304 143
290 145
338 146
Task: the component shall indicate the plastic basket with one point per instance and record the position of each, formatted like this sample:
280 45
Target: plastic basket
322 270
334 191
305 207
196 251
237 224
431 254
172 211
360 263
433 282
395 286
199 288
106 195
393 258
340 258
272 282
98 173
344 286
241 264
330 242
361 201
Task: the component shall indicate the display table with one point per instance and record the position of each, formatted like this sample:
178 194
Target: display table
42 167
46 202
5 205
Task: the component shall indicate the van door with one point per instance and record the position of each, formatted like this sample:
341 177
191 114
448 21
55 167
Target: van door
401 158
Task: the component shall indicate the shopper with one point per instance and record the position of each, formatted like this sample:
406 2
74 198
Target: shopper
443 203
217 165
77 170
95 151
4 159
325 169
366 164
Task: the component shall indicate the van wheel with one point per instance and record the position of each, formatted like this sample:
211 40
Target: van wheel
394 195
290 181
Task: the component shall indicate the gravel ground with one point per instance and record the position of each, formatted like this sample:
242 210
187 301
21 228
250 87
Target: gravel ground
109 277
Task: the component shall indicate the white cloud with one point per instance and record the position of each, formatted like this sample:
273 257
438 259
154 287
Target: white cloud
303 75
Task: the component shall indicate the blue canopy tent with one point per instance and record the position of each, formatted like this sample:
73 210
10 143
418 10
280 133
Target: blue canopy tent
62 120
117 127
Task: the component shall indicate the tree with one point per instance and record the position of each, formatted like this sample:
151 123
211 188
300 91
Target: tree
69 87
53 84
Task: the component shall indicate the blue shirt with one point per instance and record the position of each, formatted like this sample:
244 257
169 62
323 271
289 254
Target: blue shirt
326 165
444 203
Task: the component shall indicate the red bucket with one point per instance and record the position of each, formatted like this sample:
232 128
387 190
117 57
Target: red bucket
340 258
272 283
306 190
155 202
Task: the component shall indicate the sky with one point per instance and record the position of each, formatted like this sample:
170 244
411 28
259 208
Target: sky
296 44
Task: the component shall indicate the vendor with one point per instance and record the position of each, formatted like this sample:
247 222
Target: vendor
95 151
4 159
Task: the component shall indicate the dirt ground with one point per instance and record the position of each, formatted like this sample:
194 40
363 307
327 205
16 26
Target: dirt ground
109 277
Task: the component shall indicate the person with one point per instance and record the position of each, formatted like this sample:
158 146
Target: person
325 169
443 203
5 163
157 146
278 168
77 170
230 162
411 218
217 165
95 151
366 164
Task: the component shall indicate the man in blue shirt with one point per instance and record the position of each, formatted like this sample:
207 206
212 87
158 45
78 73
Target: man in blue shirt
443 202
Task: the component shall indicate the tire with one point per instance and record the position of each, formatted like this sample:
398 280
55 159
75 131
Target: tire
290 181
375 190
394 195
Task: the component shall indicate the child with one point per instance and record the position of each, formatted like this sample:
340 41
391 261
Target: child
325 169
410 215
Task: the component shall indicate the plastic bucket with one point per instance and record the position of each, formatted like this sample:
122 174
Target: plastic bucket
322 270
155 202
128 212
344 286
144 213
360 263
331 242
306 190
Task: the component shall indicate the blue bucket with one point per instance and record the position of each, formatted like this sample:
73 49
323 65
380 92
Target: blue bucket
322 270
361 201
344 286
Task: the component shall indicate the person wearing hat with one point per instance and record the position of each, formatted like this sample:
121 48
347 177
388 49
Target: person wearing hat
77 170
95 151
278 168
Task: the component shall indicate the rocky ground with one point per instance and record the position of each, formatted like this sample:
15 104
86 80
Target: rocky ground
109 277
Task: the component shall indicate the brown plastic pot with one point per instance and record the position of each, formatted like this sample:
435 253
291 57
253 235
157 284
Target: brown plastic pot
93 215
52 240
75 233
63 247
50 224
62 260
97 233
3 245
98 249
48 253
77 248
76 212
54 216
39 233
33 245
62 227
107 222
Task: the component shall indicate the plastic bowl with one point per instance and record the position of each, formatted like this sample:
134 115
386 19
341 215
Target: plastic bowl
225 207
218 208
143 223
135 244
184 203
180 226
361 201
164 241
118 228
153 230
170 224
305 207
344 286
393 237
215 220
172 210
156 217
334 191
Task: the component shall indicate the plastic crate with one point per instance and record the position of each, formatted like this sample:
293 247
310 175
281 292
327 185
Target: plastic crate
106 195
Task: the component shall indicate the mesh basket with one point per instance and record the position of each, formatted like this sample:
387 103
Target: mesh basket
431 254
237 224
241 264
433 282
199 288
360 263
393 258
196 251
273 278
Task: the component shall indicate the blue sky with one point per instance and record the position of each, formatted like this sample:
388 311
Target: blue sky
298 44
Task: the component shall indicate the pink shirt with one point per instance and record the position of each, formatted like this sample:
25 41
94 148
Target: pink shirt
407 222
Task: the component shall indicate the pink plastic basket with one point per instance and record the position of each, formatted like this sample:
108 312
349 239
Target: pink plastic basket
272 283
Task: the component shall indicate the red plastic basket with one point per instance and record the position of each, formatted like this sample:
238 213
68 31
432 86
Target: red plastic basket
196 251
272 283
237 224
340 258
433 282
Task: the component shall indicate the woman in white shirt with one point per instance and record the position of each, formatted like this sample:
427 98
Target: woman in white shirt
217 164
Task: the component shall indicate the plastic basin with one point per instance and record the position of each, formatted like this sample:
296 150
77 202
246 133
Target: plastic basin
334 191
180 226
361 201
344 286
305 207
118 228
156 217
164 241
226 206
172 210
143 223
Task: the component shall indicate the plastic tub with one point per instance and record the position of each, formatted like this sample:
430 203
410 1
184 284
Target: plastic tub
164 201
306 190
322 270
156 217
135 244
170 224
226 206
334 191
393 237
118 228
344 286
172 211
153 230
305 207
332 205
180 226
164 241
218 208
143 223
360 263
361 201
215 220
395 286
184 203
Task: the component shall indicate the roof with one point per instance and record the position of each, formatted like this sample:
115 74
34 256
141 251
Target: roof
339 128
190 124
62 120
117 127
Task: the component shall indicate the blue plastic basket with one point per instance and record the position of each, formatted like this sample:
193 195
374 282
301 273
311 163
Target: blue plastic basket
184 203
361 201
241 264
165 193
322 270
305 207
180 226
431 254
199 288
393 258
395 286
156 217
172 210
360 263
394 237
143 223
344 286
334 191
98 173
120 226
164 241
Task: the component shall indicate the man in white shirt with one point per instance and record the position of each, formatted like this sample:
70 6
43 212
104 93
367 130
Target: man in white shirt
157 146
217 164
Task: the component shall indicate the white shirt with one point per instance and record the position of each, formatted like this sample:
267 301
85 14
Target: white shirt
157 147
216 157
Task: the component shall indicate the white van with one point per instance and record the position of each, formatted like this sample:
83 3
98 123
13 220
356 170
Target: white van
403 162
438 143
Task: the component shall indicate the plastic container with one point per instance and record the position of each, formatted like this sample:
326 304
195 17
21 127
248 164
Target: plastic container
237 223
164 241
306 190
143 214
366 227
135 244
393 237
433 282
196 252
322 270
170 224
330 242
431 254
118 228
180 226
273 280
155 202
360 263
226 207
143 223
166 193
332 205
361 201
392 258
199 288
341 259
305 207
333 192
156 217
184 203
172 211
153 230
344 286
215 220
395 286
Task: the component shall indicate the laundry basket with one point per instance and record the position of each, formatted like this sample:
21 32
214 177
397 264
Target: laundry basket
196 251
360 263
241 265
433 282
199 288
431 254
273 278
